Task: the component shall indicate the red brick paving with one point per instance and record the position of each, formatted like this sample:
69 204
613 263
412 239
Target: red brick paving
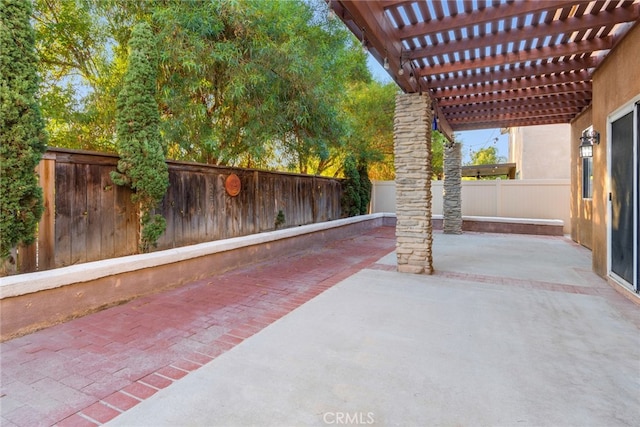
121 401
76 420
100 412
87 371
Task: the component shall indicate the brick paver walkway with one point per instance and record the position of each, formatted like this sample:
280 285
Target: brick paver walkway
87 371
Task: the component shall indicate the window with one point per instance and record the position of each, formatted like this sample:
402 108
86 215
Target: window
587 177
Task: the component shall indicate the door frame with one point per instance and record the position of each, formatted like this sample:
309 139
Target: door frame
632 106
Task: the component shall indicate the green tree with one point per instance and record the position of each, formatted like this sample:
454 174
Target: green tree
243 83
369 108
22 137
486 156
351 188
82 66
365 187
438 142
141 165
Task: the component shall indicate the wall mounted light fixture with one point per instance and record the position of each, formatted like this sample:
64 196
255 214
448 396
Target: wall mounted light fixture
587 140
402 62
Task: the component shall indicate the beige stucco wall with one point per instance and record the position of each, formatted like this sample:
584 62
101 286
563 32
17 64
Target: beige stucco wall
541 152
581 209
615 83
511 198
516 145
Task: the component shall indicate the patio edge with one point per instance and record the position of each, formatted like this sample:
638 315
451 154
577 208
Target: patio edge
33 301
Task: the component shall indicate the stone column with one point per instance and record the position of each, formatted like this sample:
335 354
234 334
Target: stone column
452 191
412 146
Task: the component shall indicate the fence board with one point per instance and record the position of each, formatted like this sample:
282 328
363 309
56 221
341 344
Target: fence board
95 213
87 217
79 215
126 222
46 227
65 176
108 223
209 208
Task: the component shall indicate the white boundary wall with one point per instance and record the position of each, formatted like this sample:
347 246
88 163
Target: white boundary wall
531 198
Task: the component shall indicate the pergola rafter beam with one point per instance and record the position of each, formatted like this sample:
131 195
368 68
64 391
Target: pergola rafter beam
458 127
535 104
511 116
470 113
523 83
513 73
479 17
567 49
581 23
575 90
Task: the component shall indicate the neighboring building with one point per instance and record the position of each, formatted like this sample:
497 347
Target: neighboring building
541 152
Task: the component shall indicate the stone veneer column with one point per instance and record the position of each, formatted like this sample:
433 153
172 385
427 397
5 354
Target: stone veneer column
412 146
452 191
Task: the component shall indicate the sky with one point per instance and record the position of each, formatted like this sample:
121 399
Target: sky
471 140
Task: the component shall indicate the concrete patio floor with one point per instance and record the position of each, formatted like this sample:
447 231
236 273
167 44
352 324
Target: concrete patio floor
511 330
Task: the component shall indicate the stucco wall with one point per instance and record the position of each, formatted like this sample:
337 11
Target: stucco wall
513 198
516 137
615 83
581 209
541 152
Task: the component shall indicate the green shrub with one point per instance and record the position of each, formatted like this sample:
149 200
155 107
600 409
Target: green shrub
351 188
279 219
365 187
22 137
142 164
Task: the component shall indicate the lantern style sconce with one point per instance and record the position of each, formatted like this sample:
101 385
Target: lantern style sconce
587 140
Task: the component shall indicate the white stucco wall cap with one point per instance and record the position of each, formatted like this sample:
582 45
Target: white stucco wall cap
508 220
22 284
530 221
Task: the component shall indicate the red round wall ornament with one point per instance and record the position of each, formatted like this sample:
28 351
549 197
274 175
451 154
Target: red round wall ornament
232 185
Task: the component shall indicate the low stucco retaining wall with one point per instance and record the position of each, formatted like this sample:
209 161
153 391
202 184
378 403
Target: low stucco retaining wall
490 224
32 301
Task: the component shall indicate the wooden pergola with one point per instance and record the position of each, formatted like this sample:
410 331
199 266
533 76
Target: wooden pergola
492 63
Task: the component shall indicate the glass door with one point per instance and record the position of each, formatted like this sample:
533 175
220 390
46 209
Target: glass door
624 198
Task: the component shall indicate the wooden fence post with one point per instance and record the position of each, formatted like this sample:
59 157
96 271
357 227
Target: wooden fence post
256 203
35 256
46 228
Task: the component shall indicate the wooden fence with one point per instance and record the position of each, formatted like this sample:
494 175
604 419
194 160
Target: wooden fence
87 217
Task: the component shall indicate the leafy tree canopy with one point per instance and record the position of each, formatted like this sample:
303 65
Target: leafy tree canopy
438 142
369 107
486 156
245 83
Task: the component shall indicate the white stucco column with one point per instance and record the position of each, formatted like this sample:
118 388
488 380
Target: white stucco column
452 189
412 146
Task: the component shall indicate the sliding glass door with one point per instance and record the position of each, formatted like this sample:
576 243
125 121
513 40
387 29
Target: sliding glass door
623 198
